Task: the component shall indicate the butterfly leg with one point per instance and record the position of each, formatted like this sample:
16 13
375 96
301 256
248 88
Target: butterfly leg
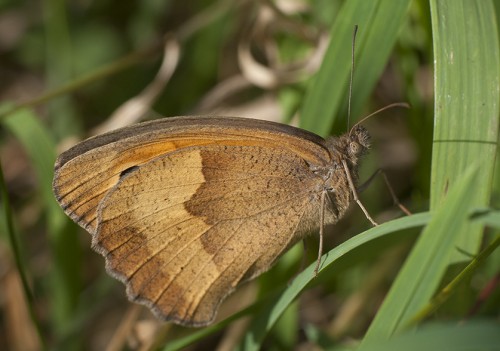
355 194
321 230
395 199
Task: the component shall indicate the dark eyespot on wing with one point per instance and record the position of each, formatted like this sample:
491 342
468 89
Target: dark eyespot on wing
128 171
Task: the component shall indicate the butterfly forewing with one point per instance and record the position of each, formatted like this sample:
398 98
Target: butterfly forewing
85 173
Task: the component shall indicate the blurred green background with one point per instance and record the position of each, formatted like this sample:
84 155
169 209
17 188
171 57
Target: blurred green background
72 69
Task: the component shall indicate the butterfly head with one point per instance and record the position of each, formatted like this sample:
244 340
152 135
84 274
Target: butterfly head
358 142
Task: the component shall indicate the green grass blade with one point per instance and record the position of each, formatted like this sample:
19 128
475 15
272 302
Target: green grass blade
489 218
467 74
423 270
40 147
270 310
59 65
266 319
379 23
16 253
475 335
452 287
466 126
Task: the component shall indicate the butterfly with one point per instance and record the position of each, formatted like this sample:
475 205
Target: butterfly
186 209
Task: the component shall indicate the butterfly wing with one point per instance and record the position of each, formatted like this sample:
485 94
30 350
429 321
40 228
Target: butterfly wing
85 173
184 229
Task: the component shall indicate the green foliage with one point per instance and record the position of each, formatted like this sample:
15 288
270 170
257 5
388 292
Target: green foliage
440 56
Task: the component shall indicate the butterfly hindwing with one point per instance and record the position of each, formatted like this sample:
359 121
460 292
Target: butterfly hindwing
185 228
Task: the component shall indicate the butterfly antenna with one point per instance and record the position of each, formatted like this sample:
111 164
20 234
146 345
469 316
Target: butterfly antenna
352 74
396 104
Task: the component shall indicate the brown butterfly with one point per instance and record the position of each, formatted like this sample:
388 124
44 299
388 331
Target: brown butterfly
186 209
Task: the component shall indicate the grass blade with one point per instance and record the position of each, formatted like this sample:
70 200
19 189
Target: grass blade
269 315
270 310
478 335
452 287
65 247
379 22
14 244
423 270
467 71
466 125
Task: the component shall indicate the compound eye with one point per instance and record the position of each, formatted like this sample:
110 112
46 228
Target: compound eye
354 148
